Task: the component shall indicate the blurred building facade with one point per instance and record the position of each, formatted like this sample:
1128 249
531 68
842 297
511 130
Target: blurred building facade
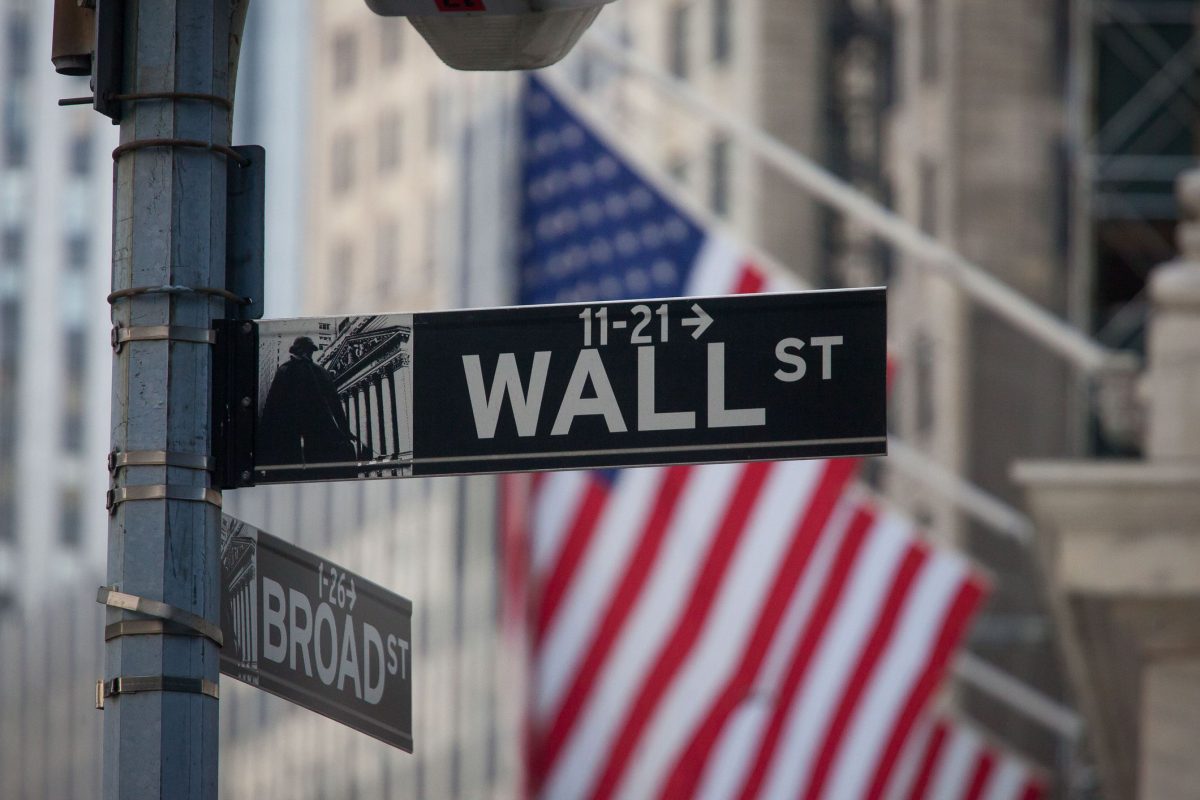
1120 540
412 159
1041 141
1118 536
401 181
974 157
54 266
55 218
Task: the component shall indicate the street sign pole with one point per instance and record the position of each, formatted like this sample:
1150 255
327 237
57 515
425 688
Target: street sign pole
169 249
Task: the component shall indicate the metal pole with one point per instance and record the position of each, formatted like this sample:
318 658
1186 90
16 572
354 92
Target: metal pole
168 232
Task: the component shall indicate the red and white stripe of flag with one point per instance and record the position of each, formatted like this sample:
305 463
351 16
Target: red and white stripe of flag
730 631
948 760
689 614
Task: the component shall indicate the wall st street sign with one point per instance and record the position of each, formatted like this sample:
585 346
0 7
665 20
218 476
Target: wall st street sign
313 633
690 380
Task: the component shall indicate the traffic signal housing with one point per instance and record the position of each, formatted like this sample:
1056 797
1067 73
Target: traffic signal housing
496 34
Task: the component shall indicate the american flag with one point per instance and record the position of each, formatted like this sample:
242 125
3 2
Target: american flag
726 631
947 759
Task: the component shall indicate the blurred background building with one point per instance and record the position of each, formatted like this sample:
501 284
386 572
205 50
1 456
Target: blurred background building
376 215
55 217
1041 139
974 155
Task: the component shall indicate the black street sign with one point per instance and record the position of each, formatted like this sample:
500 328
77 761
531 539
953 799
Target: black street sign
689 380
313 633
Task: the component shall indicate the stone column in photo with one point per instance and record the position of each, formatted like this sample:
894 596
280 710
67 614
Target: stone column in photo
1120 542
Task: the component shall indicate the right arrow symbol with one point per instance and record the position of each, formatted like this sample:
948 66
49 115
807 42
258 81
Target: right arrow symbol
700 322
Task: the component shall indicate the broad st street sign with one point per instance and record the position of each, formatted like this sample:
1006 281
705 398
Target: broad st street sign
682 381
313 633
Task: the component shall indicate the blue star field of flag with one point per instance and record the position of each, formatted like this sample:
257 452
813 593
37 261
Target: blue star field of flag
591 227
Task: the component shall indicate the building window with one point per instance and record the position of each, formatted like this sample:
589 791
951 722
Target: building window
679 169
718 166
16 147
70 520
73 423
10 341
8 407
342 163
80 154
587 72
930 40
78 251
16 140
342 274
8 450
927 190
76 360
722 31
921 513
18 45
923 372
430 234
436 122
74 400
8 503
10 344
391 41
345 60
390 140
387 256
677 47
12 245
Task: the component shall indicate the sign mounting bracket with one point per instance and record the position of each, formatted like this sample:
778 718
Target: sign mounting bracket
162 611
234 402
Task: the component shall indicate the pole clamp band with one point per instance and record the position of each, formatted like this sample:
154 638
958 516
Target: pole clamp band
156 458
195 494
203 291
133 97
159 333
199 144
132 684
195 623
147 627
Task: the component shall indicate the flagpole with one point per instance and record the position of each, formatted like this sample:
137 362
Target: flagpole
929 253
1020 696
980 505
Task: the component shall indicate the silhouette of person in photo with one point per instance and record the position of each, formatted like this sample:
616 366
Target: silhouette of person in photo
303 421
